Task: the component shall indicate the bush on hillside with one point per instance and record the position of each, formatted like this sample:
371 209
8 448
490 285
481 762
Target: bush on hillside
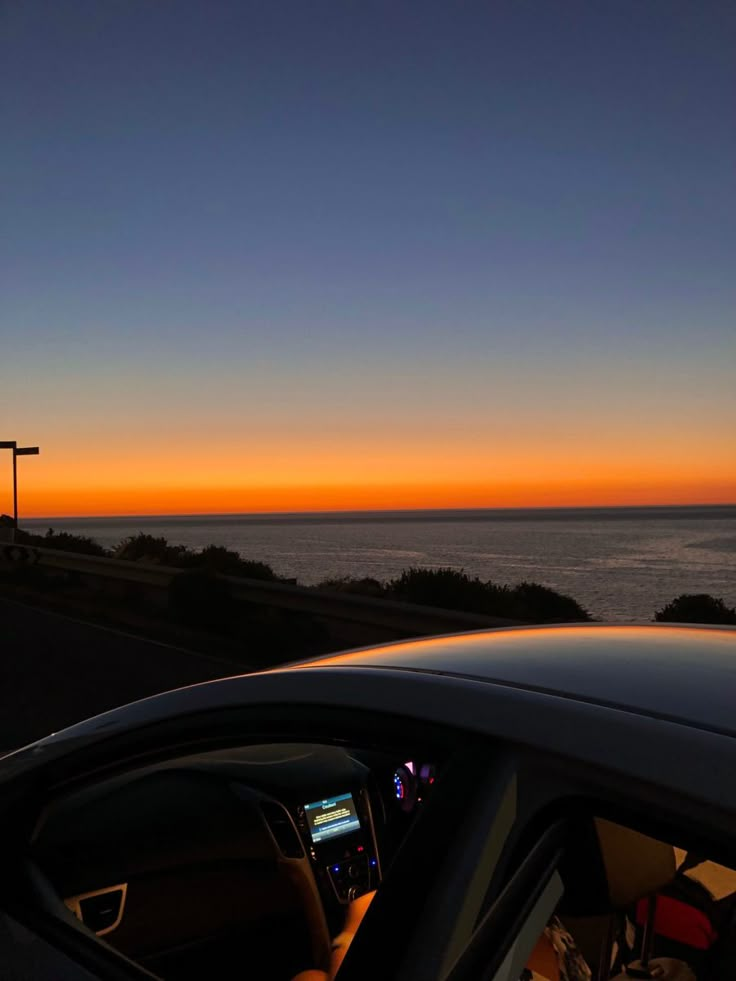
351 584
454 590
226 562
63 541
148 548
696 608
448 588
66 542
213 559
534 603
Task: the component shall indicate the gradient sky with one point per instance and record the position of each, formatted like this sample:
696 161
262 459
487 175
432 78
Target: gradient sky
306 255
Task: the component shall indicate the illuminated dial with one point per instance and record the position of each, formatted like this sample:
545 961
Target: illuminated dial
399 786
405 786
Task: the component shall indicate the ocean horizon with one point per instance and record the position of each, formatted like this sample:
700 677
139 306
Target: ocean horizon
621 563
419 514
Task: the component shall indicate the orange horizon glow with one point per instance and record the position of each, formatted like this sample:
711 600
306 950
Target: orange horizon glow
270 477
110 502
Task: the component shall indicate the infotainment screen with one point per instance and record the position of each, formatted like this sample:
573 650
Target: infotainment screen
331 817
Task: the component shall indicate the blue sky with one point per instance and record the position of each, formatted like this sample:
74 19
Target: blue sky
358 209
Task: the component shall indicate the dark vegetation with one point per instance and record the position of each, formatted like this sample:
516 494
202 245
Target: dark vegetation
696 608
214 559
199 610
157 551
453 589
225 562
202 600
355 586
62 541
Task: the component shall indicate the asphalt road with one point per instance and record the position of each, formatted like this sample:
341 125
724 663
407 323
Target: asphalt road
55 671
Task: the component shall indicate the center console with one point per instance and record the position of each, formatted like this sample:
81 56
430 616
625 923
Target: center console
339 835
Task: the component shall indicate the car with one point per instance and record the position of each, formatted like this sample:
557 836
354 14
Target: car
460 790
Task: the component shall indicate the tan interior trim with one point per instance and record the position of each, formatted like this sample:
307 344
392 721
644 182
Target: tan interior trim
72 903
635 864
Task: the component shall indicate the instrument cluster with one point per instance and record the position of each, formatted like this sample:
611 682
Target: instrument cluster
412 783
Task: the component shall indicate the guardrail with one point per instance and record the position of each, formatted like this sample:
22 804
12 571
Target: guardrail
403 618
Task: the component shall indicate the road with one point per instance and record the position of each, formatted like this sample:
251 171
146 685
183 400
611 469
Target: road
55 671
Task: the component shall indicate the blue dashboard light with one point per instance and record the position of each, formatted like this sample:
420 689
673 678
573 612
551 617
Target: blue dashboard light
335 868
373 861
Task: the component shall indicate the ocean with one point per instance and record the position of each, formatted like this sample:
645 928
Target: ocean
619 563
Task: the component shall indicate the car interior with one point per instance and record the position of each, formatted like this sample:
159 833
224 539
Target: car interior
184 865
261 854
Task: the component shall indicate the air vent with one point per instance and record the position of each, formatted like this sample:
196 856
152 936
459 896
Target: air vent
282 829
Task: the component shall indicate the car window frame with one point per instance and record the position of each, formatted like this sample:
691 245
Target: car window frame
437 913
507 932
573 789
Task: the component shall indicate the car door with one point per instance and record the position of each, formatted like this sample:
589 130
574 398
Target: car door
600 852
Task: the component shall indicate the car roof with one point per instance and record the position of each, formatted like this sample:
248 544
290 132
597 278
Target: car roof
679 672
560 679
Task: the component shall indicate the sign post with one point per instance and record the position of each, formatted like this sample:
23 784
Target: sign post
20 451
10 444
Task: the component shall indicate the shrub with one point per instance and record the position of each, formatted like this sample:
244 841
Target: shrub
226 562
351 584
535 603
213 559
454 590
148 548
66 542
448 588
63 541
696 608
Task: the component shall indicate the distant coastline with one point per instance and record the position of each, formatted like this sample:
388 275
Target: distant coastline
668 512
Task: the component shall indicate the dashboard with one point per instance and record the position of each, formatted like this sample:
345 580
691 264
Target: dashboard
340 836
230 849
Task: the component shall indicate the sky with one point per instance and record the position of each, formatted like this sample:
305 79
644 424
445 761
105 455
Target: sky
278 256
